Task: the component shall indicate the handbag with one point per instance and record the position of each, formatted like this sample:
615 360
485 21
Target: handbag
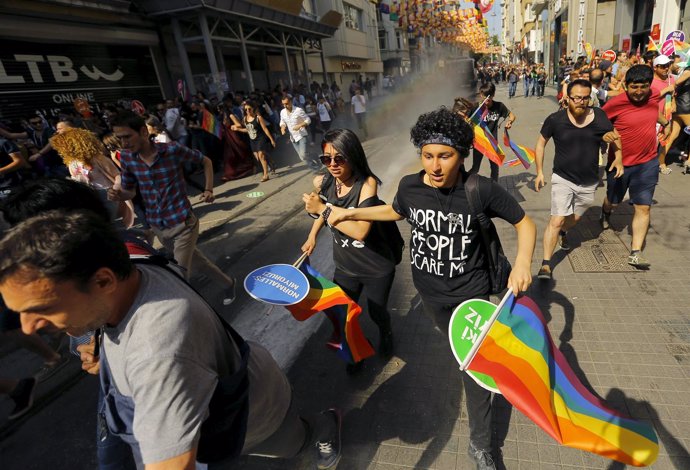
499 266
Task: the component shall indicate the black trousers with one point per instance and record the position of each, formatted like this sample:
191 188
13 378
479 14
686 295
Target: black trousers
477 158
478 399
377 289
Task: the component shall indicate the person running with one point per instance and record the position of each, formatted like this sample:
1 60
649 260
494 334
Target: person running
578 132
359 111
495 111
449 264
634 115
156 170
364 261
664 84
681 118
260 138
180 385
294 120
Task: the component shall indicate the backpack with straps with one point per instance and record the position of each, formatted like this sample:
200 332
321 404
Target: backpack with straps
499 266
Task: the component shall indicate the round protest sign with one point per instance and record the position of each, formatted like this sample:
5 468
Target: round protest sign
464 329
667 48
677 35
277 284
138 107
609 55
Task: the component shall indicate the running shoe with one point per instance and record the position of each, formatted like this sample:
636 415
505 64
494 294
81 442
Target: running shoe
545 273
481 457
563 241
636 259
23 397
328 452
604 219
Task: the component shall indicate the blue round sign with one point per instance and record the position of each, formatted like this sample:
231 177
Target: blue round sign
277 284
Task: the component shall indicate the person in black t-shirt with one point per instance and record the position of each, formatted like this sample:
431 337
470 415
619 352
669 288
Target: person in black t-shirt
578 132
495 111
448 262
363 258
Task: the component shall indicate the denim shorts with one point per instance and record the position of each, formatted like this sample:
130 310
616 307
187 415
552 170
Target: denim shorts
640 180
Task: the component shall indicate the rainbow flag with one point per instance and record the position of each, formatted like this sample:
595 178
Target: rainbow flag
533 375
682 48
347 339
486 143
211 124
525 155
651 46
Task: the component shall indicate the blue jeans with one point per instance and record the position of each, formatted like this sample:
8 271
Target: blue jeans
111 451
526 83
511 89
301 148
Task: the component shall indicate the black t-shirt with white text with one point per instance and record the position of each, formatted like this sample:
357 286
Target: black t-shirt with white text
497 111
577 148
448 263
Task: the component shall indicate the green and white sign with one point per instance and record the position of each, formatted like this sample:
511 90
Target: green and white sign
466 325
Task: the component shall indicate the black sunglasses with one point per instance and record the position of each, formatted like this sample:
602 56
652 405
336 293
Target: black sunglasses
338 159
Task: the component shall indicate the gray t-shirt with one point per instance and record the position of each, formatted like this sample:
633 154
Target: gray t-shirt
167 354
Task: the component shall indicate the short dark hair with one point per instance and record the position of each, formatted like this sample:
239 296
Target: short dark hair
488 89
579 82
639 73
649 56
49 194
128 119
463 105
443 122
63 247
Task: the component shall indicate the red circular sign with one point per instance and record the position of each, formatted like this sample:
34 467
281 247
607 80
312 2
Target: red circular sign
138 107
609 55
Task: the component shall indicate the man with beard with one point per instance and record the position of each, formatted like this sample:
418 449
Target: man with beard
634 115
578 132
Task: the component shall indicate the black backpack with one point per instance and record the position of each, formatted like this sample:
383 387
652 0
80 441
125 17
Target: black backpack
499 266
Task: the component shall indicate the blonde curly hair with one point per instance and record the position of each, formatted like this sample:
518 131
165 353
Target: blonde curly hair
77 145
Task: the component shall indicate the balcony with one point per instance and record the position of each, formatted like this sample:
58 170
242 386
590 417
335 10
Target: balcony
538 6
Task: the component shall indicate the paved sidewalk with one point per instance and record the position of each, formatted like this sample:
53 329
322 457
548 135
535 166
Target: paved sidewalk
626 334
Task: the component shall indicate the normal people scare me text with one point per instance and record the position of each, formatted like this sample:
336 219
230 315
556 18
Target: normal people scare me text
439 242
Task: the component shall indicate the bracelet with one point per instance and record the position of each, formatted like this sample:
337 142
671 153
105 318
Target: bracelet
326 212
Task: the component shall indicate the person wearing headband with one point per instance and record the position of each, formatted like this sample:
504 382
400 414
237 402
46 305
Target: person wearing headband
448 261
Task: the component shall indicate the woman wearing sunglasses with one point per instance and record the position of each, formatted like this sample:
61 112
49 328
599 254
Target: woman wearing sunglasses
364 258
259 135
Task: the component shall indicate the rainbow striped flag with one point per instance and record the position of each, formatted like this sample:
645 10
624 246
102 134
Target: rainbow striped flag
651 45
347 339
211 124
681 48
486 143
525 155
533 375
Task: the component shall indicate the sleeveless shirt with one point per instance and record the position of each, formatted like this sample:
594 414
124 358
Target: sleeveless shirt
371 258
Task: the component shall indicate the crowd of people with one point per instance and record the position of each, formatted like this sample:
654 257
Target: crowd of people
177 383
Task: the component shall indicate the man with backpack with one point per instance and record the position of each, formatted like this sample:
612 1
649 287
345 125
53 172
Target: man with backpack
448 210
180 385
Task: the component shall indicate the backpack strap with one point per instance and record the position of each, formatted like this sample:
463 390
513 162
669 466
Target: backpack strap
475 202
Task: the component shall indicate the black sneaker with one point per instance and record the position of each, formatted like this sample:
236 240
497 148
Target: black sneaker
604 219
328 452
545 273
23 397
563 241
230 293
482 458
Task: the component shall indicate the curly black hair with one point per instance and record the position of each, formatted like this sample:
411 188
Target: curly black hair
443 122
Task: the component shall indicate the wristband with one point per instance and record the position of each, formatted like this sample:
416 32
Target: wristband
326 212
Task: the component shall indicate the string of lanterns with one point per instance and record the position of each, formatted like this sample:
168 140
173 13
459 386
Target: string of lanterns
444 20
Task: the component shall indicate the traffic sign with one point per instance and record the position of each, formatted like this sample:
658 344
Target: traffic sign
138 107
609 55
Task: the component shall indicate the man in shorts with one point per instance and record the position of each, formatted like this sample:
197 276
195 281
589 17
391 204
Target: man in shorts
577 132
634 116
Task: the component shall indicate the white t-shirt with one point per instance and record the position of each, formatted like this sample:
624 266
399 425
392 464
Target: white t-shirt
359 102
323 111
292 120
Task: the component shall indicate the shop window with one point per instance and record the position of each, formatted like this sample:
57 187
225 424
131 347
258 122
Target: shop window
382 39
642 19
353 17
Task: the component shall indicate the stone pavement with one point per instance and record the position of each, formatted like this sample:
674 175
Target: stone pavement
626 334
